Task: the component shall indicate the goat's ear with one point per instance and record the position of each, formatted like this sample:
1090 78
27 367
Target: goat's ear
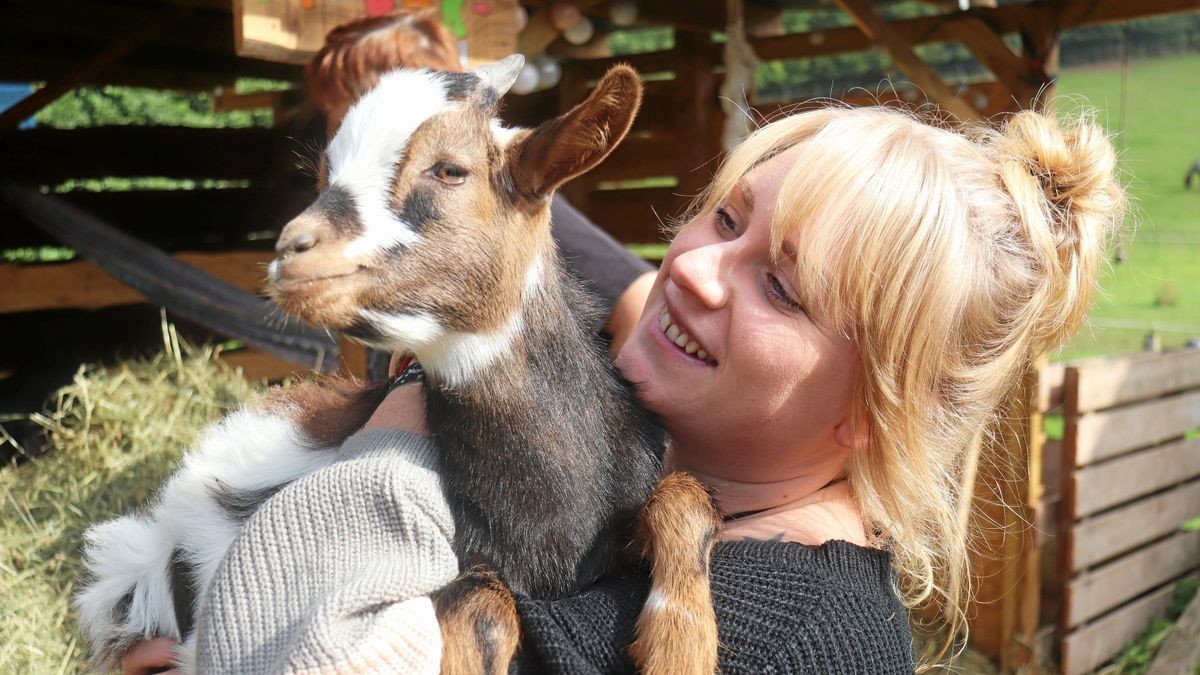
568 145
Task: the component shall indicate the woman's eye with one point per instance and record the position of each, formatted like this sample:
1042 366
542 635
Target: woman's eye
448 173
725 221
777 290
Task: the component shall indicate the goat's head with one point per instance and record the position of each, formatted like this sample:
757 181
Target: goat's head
432 224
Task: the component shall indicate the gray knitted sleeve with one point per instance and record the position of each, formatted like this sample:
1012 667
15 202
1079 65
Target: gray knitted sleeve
329 574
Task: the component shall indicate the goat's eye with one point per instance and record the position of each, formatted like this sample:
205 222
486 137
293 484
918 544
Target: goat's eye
448 173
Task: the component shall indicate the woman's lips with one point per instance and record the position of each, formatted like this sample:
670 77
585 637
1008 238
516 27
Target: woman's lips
682 340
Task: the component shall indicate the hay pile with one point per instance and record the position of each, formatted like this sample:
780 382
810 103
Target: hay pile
114 434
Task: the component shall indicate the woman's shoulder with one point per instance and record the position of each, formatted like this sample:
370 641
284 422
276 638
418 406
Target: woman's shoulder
781 607
789 607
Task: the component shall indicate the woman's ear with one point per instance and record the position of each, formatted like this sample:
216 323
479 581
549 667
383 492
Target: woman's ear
851 434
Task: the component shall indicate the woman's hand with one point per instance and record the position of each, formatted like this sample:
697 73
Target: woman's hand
150 656
403 409
404 406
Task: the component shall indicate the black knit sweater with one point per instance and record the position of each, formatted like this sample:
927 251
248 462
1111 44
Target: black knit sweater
781 608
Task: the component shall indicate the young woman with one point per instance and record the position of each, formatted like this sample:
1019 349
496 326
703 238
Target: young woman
828 341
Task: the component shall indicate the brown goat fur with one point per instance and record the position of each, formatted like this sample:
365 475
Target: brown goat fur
475 264
677 530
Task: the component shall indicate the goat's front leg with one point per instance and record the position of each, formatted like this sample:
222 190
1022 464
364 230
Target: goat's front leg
480 627
677 629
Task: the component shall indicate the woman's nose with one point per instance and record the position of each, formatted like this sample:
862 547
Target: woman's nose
700 272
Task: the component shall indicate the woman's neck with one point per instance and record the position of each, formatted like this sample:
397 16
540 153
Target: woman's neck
740 497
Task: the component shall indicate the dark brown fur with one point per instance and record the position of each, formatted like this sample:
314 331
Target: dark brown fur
328 409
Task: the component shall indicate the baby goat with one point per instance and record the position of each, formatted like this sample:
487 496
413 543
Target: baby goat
431 237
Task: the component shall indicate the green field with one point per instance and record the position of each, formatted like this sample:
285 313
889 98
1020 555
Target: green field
1158 286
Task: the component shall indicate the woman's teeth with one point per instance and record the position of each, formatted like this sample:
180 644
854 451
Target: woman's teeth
681 339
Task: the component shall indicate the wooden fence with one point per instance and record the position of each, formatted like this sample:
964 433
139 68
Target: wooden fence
1103 548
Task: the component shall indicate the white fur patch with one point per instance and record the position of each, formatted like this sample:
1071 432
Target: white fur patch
454 358
371 141
656 601
503 135
247 451
458 358
404 332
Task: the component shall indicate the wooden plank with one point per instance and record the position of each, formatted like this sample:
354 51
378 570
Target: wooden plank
633 216
1050 391
105 21
177 220
1052 468
638 157
1111 433
82 285
1103 384
699 117
1006 563
1093 593
1092 645
1098 539
1108 484
45 155
42 56
645 63
258 365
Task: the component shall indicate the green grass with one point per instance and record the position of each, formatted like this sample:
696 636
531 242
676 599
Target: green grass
1160 140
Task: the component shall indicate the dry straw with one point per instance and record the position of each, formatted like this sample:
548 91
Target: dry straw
114 434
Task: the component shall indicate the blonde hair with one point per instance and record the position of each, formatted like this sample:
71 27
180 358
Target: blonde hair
952 259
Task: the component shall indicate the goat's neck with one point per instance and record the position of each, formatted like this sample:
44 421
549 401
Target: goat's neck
545 356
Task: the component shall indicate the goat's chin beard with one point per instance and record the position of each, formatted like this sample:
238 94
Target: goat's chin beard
320 307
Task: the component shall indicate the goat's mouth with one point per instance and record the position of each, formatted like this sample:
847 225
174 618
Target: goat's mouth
284 272
328 298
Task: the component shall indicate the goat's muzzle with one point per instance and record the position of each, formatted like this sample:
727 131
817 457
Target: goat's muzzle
312 277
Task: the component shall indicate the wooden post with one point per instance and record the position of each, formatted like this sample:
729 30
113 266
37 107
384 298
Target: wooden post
1007 569
1011 70
698 113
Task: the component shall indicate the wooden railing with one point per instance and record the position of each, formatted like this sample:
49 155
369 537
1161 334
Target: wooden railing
1130 472
1102 547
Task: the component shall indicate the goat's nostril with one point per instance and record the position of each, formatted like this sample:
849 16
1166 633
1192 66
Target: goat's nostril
298 243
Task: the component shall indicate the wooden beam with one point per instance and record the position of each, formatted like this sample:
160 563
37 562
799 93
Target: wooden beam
1010 18
1011 70
991 97
82 285
10 119
105 21
901 50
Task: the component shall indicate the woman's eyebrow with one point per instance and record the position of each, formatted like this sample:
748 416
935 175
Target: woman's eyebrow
788 249
746 194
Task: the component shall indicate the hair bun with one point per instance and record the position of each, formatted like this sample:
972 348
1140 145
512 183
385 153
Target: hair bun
1074 165
1062 178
